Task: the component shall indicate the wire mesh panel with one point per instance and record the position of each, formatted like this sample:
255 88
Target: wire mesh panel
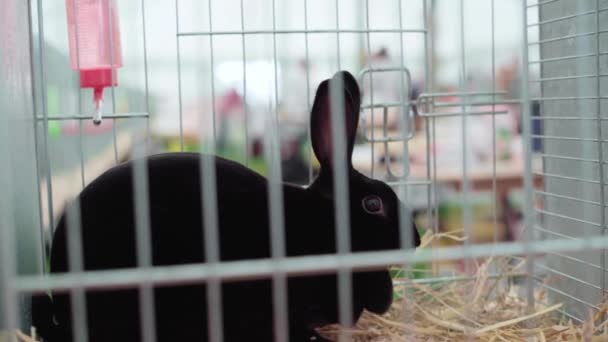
572 86
19 207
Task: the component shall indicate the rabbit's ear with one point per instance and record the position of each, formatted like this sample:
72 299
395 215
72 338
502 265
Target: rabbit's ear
349 99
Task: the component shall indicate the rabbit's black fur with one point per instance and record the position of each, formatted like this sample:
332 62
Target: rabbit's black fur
176 226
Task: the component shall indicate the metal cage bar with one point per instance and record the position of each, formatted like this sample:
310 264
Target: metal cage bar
275 190
306 265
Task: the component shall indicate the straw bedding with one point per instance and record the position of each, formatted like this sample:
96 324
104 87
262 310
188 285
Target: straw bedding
485 307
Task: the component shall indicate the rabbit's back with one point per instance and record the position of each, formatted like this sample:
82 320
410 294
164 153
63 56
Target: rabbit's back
176 227
176 214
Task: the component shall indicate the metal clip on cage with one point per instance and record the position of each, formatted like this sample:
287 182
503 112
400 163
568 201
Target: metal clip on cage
405 106
427 100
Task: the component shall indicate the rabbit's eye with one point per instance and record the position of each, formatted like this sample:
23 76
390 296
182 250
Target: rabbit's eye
372 204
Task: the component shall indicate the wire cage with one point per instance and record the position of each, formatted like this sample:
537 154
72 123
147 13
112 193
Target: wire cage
486 118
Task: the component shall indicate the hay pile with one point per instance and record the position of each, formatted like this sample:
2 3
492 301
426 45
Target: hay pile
485 307
18 336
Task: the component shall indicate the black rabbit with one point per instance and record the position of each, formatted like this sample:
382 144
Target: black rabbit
176 226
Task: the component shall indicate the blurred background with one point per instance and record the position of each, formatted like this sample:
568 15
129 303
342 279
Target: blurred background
195 85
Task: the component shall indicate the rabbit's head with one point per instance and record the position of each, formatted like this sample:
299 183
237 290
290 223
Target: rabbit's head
374 206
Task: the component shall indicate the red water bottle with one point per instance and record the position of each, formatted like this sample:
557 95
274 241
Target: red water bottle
95 49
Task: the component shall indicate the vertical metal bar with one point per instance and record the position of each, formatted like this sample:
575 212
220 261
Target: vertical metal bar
598 85
45 114
373 138
10 318
146 85
434 177
81 147
277 224
310 151
405 223
341 195
142 210
8 235
528 185
214 304
76 264
338 33
431 188
466 188
144 240
275 189
179 78
584 90
113 69
405 218
430 131
211 237
495 200
431 160
429 207
74 221
79 97
44 238
210 210
212 74
341 190
371 88
466 212
246 118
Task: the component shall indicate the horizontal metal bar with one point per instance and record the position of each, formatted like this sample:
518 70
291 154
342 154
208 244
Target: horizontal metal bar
90 117
563 78
564 236
580 261
569 98
570 198
389 139
566 118
462 93
555 137
255 32
423 102
571 16
570 218
540 3
555 156
387 105
553 175
484 103
442 115
557 39
265 268
448 279
565 275
564 58
569 315
410 183
583 160
560 292
370 71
